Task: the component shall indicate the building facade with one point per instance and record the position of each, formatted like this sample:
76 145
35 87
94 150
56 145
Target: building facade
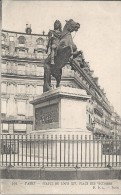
116 124
22 73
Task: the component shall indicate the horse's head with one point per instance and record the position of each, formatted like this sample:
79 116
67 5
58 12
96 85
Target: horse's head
71 26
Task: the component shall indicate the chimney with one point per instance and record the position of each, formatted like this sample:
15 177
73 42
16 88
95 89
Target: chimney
112 108
87 64
91 72
28 29
43 32
96 80
103 90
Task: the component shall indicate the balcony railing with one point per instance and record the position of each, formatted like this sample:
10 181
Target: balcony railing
3 115
22 72
25 56
98 110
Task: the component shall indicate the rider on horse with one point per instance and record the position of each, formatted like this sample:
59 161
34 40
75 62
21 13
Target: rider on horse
54 38
62 50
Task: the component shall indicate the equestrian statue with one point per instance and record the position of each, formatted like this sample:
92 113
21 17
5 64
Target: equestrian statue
62 50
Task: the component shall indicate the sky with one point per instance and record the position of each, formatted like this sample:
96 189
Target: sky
99 35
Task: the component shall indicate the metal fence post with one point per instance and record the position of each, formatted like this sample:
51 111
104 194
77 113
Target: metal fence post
43 141
68 150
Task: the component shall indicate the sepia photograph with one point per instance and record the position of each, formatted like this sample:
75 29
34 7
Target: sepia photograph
60 97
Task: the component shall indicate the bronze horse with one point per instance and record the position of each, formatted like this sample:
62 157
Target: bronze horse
66 50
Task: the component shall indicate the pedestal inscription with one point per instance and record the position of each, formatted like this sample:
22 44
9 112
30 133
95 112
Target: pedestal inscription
47 117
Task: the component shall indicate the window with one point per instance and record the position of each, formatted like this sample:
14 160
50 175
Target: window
11 38
13 68
21 107
89 119
21 40
39 89
11 88
40 55
20 127
3 106
5 127
29 127
11 107
21 53
27 69
21 69
30 89
40 71
21 88
4 88
40 41
30 110
3 68
32 69
3 38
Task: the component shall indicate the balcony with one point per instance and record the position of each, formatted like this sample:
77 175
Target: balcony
18 119
3 115
102 131
107 107
106 125
4 44
98 121
98 110
23 72
22 96
25 56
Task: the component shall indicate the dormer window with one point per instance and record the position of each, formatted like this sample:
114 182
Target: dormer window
11 38
21 48
40 41
3 38
21 40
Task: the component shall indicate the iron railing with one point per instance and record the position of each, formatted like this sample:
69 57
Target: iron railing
59 151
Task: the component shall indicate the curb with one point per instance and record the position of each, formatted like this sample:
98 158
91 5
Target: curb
60 173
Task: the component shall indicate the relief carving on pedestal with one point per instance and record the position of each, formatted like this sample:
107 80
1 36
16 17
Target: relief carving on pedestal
46 116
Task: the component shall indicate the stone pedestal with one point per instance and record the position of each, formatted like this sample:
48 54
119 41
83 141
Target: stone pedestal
61 111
